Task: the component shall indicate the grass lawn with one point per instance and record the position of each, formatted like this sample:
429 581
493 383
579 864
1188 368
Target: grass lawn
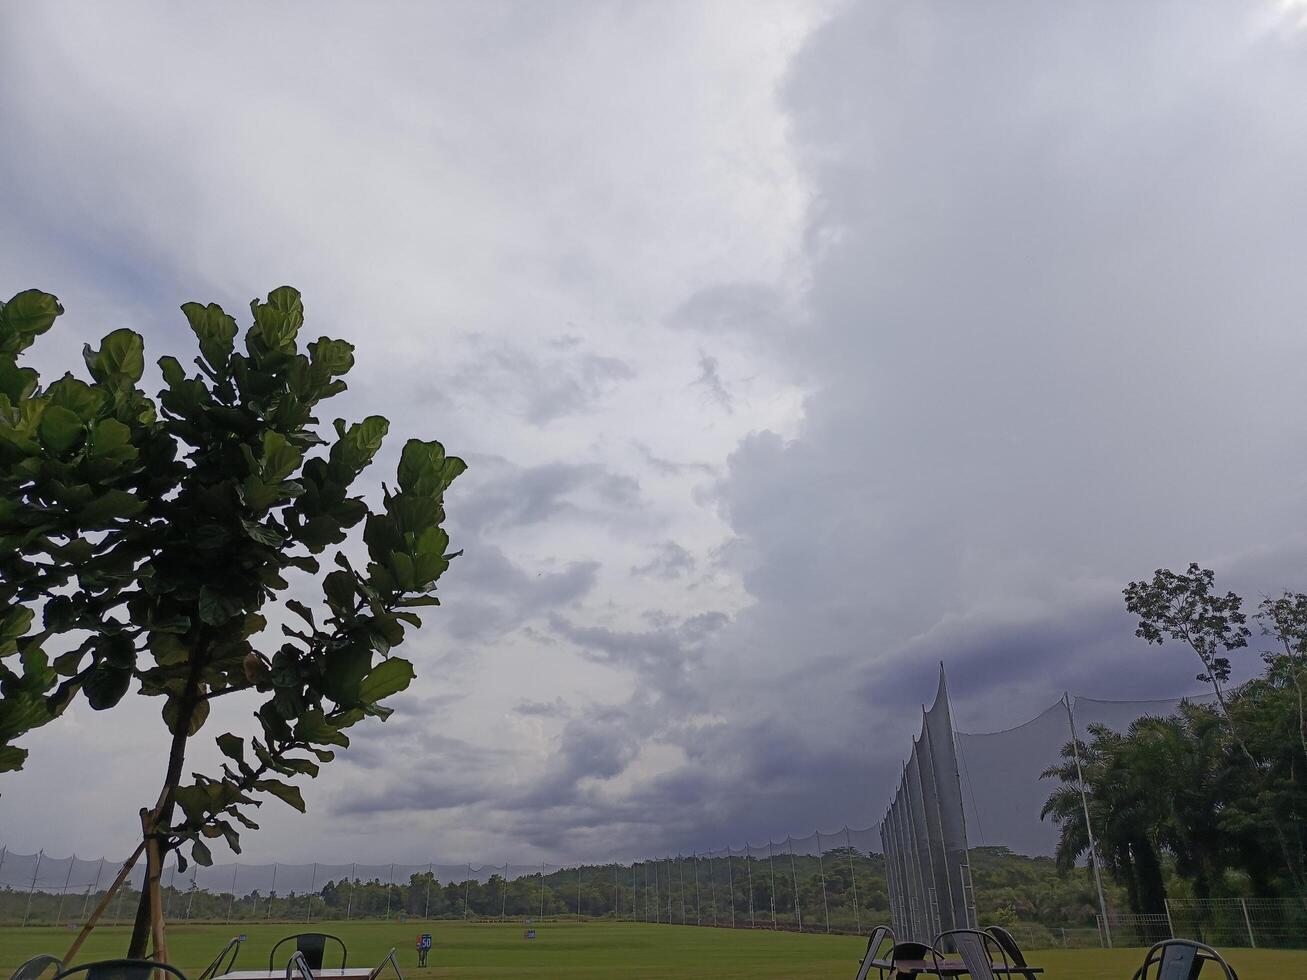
599 949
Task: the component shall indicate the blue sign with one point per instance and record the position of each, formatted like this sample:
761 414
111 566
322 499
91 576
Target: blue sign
529 934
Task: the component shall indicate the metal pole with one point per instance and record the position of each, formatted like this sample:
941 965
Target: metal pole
94 888
655 891
798 912
712 886
635 892
771 860
272 891
232 901
698 907
1252 940
172 889
313 881
578 892
821 869
542 891
680 873
466 885
1166 904
349 902
748 867
118 905
59 913
390 886
853 876
426 913
503 905
617 884
195 869
35 871
1089 827
730 885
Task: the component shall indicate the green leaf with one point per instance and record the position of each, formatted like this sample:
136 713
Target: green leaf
60 429
216 332
105 685
331 357
388 677
216 608
25 317
198 716
283 791
201 854
231 746
109 506
120 359
12 758
15 621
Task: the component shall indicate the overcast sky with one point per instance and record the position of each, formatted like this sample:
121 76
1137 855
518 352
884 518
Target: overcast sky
795 347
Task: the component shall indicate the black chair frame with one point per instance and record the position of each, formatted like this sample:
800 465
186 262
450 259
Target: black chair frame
36 966
217 968
1199 955
986 940
120 970
314 952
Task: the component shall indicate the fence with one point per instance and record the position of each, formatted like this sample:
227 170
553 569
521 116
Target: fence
965 803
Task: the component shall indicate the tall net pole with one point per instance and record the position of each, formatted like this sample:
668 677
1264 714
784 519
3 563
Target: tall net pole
542 891
95 888
821 869
426 913
467 884
794 873
853 877
313 886
190 899
657 915
730 885
232 901
35 871
771 897
698 906
748 867
59 913
1089 827
680 873
349 902
272 892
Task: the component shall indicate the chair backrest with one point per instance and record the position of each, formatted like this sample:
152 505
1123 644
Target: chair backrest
224 961
393 963
37 965
1009 944
1182 959
909 950
874 943
313 946
976 949
119 970
297 968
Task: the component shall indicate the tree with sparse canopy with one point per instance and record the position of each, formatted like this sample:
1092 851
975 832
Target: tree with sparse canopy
149 541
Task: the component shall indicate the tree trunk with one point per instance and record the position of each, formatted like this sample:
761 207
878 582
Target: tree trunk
160 818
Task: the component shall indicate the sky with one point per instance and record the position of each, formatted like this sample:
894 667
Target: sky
795 348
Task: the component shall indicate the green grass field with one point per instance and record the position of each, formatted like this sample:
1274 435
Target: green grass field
569 949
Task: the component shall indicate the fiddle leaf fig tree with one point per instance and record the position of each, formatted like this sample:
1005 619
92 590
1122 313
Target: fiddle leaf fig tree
148 541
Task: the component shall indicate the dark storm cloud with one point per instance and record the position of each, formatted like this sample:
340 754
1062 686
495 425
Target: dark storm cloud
505 495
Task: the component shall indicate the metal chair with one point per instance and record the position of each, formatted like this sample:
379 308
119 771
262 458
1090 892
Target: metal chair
297 968
1181 959
313 946
119 970
976 949
222 963
37 965
874 943
908 950
1009 944
393 962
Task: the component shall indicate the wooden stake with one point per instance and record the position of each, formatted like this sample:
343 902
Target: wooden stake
103 903
154 872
